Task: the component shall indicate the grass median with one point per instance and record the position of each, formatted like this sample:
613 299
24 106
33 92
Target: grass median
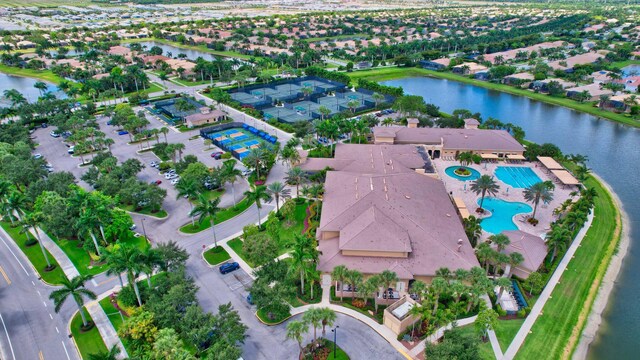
34 254
385 74
221 216
558 330
216 255
88 342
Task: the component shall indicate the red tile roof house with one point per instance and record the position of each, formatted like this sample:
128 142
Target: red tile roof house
379 214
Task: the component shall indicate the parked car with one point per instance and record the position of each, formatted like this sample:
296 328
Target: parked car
71 150
37 156
175 181
44 125
250 299
246 173
229 267
123 132
133 227
217 155
157 182
54 134
153 164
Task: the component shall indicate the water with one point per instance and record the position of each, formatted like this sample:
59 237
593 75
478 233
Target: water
631 70
25 86
613 151
474 173
517 177
191 54
502 213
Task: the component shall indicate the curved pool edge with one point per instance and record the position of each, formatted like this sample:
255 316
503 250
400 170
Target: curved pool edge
513 218
589 332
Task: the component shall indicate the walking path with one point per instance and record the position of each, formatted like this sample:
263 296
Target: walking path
63 260
106 329
546 293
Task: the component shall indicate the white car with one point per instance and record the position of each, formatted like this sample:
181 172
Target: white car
37 156
173 176
246 172
169 176
175 181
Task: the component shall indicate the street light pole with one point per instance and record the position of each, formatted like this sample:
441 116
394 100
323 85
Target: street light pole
143 229
335 339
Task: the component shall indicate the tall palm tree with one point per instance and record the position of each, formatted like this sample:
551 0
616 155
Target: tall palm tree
86 224
149 259
503 283
256 159
339 274
515 259
501 241
259 194
388 277
188 188
437 288
296 176
132 262
41 86
485 254
74 288
328 318
16 202
115 262
557 239
32 221
484 185
231 174
535 193
278 191
354 277
206 208
179 147
295 330
313 317
300 255
164 131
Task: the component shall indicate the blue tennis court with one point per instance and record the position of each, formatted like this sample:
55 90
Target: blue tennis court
240 141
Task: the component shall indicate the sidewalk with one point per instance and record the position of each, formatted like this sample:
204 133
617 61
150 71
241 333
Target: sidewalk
106 329
546 293
63 260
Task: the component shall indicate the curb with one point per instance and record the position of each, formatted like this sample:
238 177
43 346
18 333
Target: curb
73 339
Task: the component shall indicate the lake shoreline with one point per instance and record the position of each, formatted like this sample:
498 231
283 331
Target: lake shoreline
44 75
607 283
393 74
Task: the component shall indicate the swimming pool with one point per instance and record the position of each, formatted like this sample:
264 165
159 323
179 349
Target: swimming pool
502 213
450 171
516 176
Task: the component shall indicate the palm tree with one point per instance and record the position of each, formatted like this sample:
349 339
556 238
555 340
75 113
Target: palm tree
74 288
32 221
535 193
328 317
473 229
256 159
377 97
112 354
300 255
354 277
278 190
132 262
515 259
501 241
416 312
85 224
339 274
503 283
388 277
437 288
179 147
465 158
15 97
231 174
314 318
295 330
296 176
259 194
15 203
324 111
41 86
149 259
557 240
164 131
115 262
484 185
206 208
485 253
188 188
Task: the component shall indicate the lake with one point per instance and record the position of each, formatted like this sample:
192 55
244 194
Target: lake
613 150
174 50
25 86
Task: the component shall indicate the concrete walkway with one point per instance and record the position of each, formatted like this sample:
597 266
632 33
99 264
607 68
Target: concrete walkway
106 329
61 257
546 293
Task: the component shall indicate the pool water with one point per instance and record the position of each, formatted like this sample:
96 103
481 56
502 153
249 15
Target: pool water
450 171
502 213
517 177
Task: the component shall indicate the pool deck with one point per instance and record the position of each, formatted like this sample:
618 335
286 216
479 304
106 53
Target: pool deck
544 213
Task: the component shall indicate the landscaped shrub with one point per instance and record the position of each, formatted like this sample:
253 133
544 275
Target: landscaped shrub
226 156
522 313
358 303
30 242
165 165
500 310
127 295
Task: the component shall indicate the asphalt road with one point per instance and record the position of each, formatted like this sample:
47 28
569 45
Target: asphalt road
29 327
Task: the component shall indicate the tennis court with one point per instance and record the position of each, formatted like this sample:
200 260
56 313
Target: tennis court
240 141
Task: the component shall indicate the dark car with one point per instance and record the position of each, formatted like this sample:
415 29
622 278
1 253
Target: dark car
123 132
250 299
217 155
44 125
229 267
157 182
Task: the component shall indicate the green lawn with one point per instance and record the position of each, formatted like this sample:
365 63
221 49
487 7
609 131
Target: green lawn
112 312
263 316
288 233
216 255
223 215
236 246
506 330
621 64
185 82
81 259
159 214
384 74
89 342
339 355
34 253
46 75
565 313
